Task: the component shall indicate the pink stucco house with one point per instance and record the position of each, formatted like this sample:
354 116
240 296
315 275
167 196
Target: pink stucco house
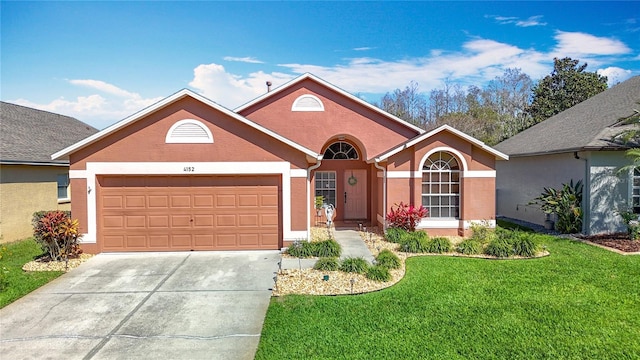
189 174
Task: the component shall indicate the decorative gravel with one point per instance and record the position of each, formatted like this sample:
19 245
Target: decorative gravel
44 265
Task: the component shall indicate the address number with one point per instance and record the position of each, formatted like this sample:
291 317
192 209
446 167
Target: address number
189 169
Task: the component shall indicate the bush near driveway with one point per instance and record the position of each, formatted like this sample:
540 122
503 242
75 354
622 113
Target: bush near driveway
579 303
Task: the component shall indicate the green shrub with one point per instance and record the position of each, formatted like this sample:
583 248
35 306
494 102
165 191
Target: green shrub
439 245
482 232
327 248
327 264
354 265
470 247
388 259
301 249
378 273
395 235
499 248
415 242
524 244
565 204
57 234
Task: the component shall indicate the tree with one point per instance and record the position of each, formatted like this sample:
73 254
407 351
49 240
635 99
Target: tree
407 104
567 85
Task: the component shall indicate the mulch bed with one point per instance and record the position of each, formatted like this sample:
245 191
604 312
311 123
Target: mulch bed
619 241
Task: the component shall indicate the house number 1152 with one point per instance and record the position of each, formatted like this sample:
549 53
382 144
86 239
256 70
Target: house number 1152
189 169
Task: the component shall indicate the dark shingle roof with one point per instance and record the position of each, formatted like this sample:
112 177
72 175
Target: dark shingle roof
585 126
30 136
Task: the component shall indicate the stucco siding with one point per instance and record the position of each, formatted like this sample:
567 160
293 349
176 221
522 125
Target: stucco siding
24 190
610 190
521 179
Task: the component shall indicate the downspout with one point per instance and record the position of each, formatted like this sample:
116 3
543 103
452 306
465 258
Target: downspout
309 170
384 194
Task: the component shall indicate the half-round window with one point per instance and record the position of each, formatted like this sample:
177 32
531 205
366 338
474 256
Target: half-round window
341 151
189 131
307 103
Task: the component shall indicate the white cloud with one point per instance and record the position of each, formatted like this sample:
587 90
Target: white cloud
579 45
247 59
530 21
364 48
615 75
229 90
96 110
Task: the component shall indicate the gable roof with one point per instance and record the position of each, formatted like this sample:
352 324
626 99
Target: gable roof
588 125
170 100
30 136
419 138
332 88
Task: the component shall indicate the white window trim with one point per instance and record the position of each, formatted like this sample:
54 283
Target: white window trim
95 169
297 107
67 198
169 139
463 169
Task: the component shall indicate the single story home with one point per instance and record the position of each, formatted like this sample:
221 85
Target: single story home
576 144
29 180
189 174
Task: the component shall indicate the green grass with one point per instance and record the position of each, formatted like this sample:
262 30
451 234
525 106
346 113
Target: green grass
15 282
581 302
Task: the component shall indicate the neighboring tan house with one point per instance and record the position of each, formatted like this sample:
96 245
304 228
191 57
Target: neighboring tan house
29 180
189 174
574 144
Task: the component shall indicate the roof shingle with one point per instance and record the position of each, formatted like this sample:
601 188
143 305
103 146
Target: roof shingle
30 136
585 126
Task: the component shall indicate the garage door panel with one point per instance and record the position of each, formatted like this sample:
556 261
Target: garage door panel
159 241
158 221
136 241
188 213
158 201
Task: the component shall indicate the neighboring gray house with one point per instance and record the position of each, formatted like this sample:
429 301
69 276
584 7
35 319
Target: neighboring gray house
574 144
29 180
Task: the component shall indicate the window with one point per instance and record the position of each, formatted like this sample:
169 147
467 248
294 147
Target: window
635 194
189 131
326 186
63 186
441 185
340 151
307 103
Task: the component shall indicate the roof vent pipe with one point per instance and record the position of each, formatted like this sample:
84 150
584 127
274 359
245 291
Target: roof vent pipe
268 85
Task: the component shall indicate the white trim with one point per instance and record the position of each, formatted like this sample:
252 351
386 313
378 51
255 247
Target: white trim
428 223
298 173
77 174
95 169
404 174
168 101
333 88
297 235
419 138
296 103
172 139
458 154
479 174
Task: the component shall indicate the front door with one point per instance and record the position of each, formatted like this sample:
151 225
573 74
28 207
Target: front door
355 194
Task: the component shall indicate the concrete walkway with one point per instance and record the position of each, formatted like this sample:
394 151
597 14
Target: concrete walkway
352 246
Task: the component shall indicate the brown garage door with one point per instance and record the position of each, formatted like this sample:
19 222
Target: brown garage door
172 213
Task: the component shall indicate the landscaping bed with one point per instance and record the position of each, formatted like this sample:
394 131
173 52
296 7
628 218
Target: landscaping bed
618 241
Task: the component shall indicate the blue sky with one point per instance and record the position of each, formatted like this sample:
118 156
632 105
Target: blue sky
103 61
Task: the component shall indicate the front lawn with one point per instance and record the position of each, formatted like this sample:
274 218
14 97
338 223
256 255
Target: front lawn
14 282
580 302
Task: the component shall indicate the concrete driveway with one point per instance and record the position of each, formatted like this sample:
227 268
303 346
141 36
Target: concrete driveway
189 305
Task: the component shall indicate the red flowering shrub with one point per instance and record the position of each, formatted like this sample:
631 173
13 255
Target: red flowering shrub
406 216
57 233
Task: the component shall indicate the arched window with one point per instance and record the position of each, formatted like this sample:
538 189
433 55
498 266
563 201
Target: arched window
307 103
341 150
441 185
189 131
